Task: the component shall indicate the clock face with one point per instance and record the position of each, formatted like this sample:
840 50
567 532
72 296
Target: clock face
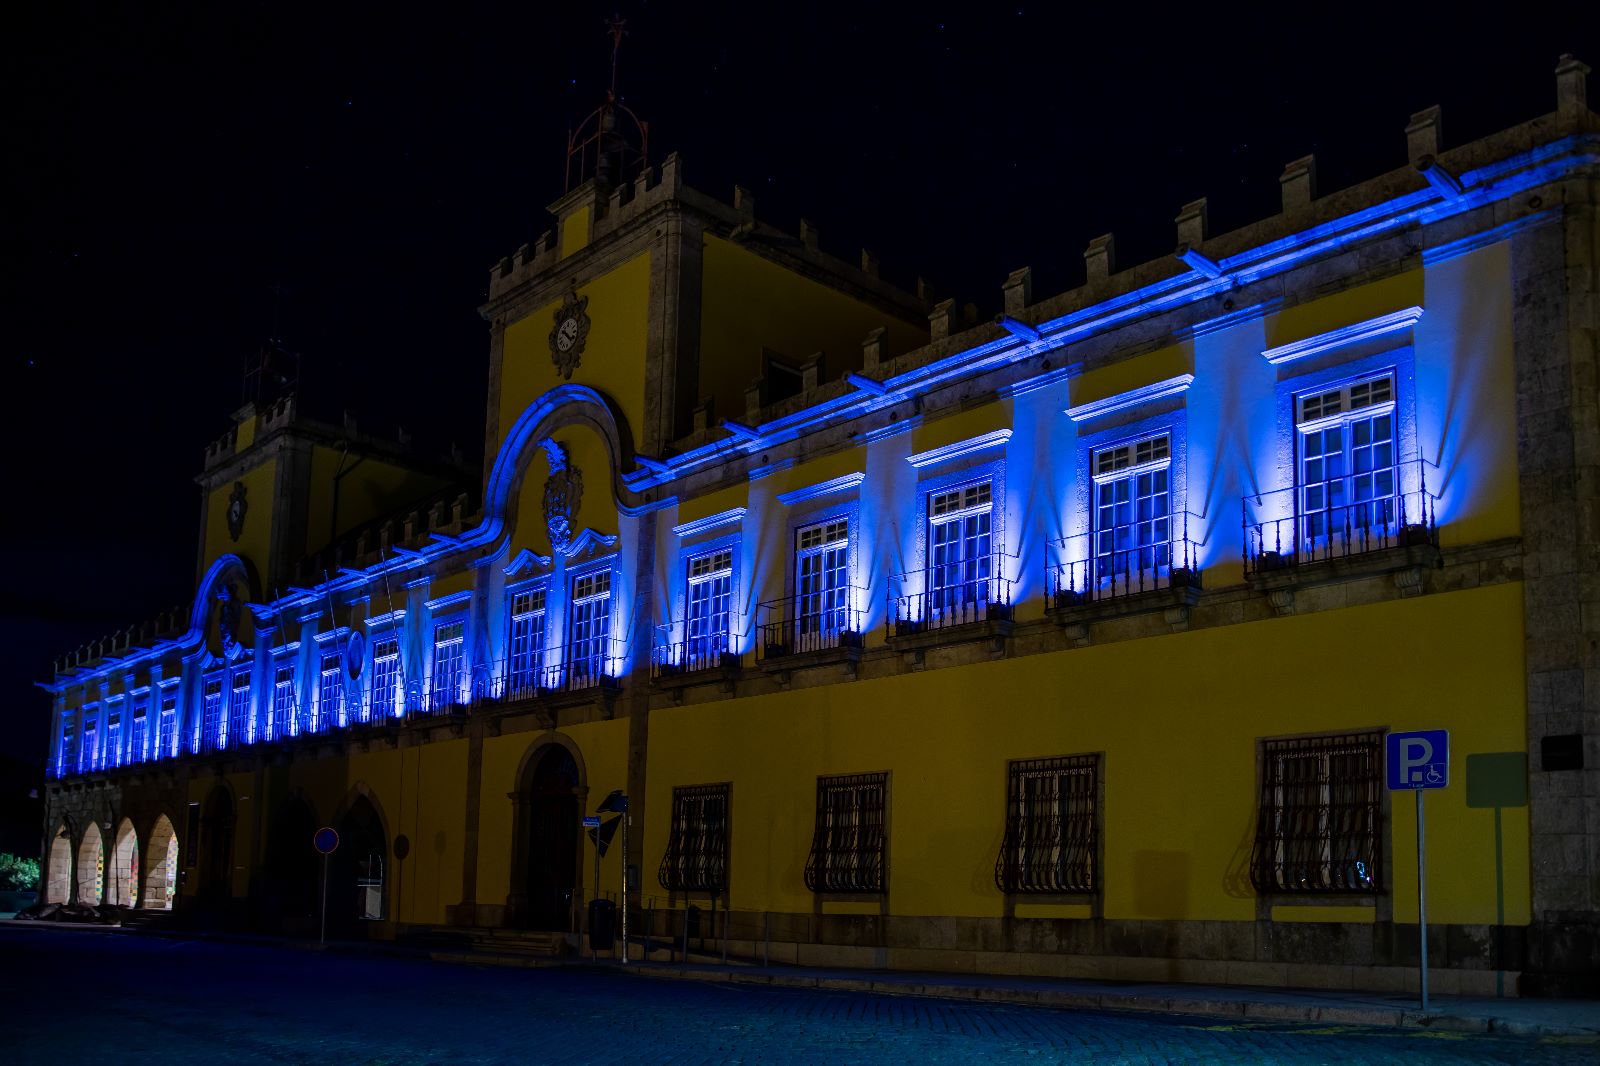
567 335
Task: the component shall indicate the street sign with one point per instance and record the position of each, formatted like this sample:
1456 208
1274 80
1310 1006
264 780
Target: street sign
325 840
591 821
1418 760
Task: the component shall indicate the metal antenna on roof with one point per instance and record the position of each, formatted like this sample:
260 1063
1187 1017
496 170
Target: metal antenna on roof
618 28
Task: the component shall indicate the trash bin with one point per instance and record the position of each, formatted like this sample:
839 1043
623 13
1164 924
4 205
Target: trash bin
602 924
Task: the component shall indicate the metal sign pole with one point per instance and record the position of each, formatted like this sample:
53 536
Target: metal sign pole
625 819
588 920
1422 901
322 937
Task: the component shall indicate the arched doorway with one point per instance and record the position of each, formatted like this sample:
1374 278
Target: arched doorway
547 826
358 871
161 867
91 867
291 871
58 873
216 846
122 886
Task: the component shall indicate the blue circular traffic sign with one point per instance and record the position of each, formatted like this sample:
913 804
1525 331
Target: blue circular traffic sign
325 840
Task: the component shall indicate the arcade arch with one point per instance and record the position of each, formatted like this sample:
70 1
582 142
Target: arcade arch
91 872
58 868
161 867
122 878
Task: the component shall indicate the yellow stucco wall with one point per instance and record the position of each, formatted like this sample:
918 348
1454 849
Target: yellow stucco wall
1180 750
255 539
1128 374
613 360
749 302
370 489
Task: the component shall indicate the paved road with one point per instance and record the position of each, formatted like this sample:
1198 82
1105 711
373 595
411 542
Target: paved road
79 996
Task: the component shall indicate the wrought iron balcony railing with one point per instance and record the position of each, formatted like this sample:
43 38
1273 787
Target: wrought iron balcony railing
812 622
950 595
676 658
1127 560
1281 532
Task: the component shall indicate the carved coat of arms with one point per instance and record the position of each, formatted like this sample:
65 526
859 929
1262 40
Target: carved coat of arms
236 509
563 492
228 617
569 333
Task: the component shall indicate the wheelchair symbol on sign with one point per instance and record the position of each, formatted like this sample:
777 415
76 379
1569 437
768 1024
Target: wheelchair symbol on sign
1433 776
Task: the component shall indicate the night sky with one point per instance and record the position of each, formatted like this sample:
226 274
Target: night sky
184 185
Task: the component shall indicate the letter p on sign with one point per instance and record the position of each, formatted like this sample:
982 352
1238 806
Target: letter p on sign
1418 760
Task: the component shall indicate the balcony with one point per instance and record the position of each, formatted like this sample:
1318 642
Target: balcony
1286 545
813 629
677 663
970 601
1110 572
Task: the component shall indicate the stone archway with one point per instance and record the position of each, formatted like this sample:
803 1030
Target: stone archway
216 846
91 867
547 857
161 867
291 872
58 868
122 874
358 872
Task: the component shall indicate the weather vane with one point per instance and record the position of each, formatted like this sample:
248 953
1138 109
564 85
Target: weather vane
618 28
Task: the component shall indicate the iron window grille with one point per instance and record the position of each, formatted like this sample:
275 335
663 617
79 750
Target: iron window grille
851 840
1052 826
697 853
1320 820
527 642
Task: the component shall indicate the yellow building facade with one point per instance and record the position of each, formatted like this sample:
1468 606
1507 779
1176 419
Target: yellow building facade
1067 643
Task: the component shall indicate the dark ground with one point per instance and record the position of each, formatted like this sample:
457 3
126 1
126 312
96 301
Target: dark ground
79 995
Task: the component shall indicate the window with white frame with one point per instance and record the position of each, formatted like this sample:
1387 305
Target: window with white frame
212 725
449 652
139 739
89 753
822 579
1345 467
589 629
285 719
527 641
386 677
1132 509
960 545
113 756
238 728
167 722
709 603
67 750
330 692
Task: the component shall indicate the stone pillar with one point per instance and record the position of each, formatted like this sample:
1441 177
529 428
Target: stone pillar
1299 184
939 321
1192 223
1099 259
1424 136
1017 292
1572 100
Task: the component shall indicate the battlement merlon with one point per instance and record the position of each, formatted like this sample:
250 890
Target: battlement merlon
592 216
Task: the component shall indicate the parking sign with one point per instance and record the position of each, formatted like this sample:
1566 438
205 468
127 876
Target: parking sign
1418 760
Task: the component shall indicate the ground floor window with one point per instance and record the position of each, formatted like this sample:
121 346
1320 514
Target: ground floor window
1051 826
697 853
851 838
1319 820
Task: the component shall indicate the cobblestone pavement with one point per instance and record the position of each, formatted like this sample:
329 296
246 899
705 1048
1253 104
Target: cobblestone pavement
75 996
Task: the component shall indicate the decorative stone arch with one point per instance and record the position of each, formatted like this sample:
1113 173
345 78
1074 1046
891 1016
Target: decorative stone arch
288 881
218 815
89 871
58 867
362 865
160 865
540 829
236 576
122 870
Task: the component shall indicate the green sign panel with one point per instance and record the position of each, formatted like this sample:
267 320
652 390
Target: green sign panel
1497 779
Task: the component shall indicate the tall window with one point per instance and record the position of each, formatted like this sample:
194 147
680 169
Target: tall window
238 731
960 529
851 837
285 720
385 678
167 723
139 740
1132 512
697 853
1346 465
113 756
710 598
67 752
527 641
330 692
822 568
1318 824
1051 826
213 727
590 628
449 649
89 754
